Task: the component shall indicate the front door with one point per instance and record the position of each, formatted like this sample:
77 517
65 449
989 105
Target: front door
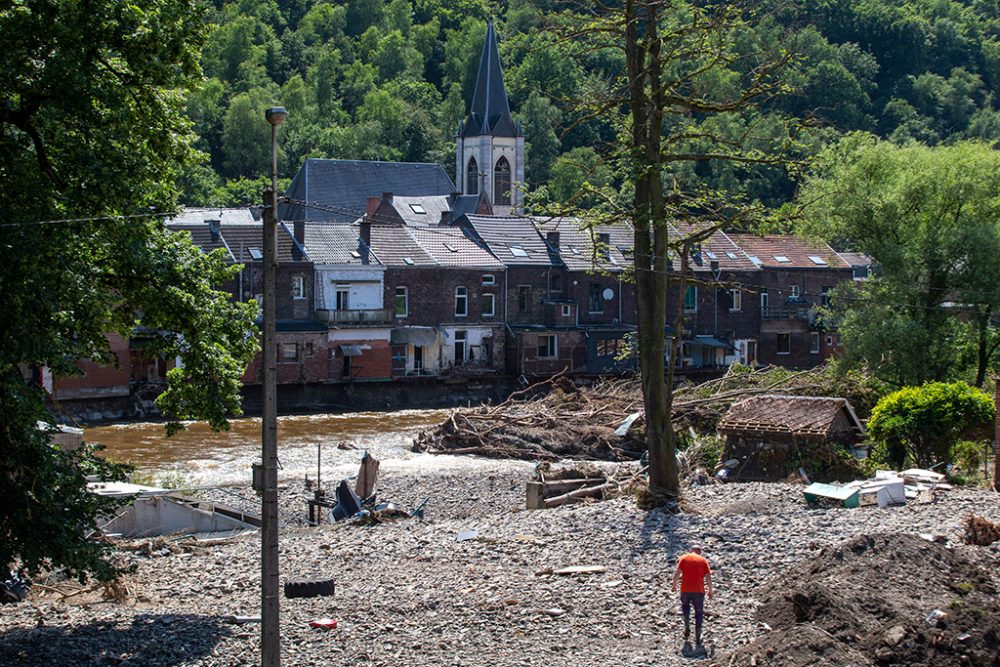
418 358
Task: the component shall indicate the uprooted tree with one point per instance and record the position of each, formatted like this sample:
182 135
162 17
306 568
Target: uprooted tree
92 135
689 96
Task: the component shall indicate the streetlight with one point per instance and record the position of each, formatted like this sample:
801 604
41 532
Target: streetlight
270 604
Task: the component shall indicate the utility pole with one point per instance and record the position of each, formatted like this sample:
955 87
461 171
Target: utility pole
267 481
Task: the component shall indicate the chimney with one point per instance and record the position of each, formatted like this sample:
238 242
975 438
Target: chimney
299 232
373 203
387 198
366 232
445 217
452 198
553 239
213 230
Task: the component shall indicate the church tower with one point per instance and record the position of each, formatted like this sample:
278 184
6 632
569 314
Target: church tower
489 155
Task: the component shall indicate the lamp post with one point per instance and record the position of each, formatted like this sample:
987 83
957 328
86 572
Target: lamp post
268 487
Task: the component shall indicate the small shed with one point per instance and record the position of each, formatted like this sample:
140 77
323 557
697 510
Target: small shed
768 438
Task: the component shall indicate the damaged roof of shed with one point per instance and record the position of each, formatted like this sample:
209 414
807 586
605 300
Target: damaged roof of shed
795 415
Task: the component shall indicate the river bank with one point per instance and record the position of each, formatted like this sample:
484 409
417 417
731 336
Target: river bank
410 594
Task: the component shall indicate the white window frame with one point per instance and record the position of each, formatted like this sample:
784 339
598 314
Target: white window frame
735 300
462 296
298 286
489 279
489 297
554 347
778 346
795 291
825 296
567 310
346 291
406 301
815 343
764 298
281 353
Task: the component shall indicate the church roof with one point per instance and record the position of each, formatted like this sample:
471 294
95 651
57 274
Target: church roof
341 188
490 112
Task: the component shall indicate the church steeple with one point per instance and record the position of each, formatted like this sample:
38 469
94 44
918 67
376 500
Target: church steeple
490 111
490 146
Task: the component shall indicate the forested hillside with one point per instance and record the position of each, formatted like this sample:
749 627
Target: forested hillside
391 79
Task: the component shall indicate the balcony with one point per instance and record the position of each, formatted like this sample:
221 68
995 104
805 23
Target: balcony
356 317
788 312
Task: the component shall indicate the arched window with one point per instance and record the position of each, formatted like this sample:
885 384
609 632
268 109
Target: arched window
472 177
501 182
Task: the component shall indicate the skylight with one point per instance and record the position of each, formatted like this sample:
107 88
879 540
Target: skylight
711 255
755 260
782 259
408 261
418 209
517 251
450 247
355 254
574 250
731 255
255 253
819 261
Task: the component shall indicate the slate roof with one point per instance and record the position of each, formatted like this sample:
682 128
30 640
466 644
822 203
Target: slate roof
772 249
466 205
576 244
201 236
393 245
502 233
795 415
346 185
241 238
719 247
450 247
490 111
337 244
432 207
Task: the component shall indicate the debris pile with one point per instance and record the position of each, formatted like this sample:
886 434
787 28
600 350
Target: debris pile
981 532
358 504
886 488
552 486
879 599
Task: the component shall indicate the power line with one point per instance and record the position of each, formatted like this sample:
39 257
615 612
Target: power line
96 218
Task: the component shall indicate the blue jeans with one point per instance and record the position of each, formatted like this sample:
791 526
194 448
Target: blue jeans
696 599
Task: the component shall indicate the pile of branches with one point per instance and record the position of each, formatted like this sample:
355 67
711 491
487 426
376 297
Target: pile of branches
559 419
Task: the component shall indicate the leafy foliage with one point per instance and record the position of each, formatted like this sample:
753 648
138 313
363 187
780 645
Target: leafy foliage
924 423
93 127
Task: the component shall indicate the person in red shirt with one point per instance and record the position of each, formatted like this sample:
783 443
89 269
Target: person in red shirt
695 578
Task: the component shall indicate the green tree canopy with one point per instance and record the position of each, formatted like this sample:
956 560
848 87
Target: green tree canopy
922 424
92 134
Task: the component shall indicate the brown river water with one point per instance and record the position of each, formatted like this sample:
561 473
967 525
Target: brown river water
200 457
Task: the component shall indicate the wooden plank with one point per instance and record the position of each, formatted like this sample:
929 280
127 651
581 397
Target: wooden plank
367 476
581 569
534 493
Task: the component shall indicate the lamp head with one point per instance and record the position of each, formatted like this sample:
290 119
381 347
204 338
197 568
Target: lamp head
275 115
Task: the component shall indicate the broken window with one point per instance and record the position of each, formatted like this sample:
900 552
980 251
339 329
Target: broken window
547 346
784 343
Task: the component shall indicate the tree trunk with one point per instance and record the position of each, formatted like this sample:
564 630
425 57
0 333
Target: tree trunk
983 322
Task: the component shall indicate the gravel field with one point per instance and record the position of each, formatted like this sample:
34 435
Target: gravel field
409 594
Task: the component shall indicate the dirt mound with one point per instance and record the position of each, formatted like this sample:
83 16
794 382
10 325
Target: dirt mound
879 600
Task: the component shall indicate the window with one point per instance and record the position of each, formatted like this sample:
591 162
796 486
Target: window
735 300
795 291
461 344
814 347
763 298
472 177
298 287
567 310
461 302
501 182
603 248
517 251
524 298
782 259
489 305
818 261
555 283
309 349
691 298
784 343
450 248
546 346
418 209
256 254
288 351
826 296
489 279
343 297
594 304
402 302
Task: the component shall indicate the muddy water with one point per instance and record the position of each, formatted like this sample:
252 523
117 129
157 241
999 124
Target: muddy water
199 457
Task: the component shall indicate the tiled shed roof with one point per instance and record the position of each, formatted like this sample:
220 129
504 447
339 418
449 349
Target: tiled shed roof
329 243
420 210
512 239
449 246
796 415
776 251
576 244
394 246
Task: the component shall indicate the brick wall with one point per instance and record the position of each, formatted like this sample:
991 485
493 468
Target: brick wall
571 352
98 380
286 306
431 294
578 290
374 362
310 364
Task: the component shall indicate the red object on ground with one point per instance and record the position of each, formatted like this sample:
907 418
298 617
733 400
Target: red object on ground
327 623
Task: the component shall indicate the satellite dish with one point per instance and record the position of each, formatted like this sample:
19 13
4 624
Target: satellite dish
608 294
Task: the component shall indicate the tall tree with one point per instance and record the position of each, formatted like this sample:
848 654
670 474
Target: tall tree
668 105
929 218
92 137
